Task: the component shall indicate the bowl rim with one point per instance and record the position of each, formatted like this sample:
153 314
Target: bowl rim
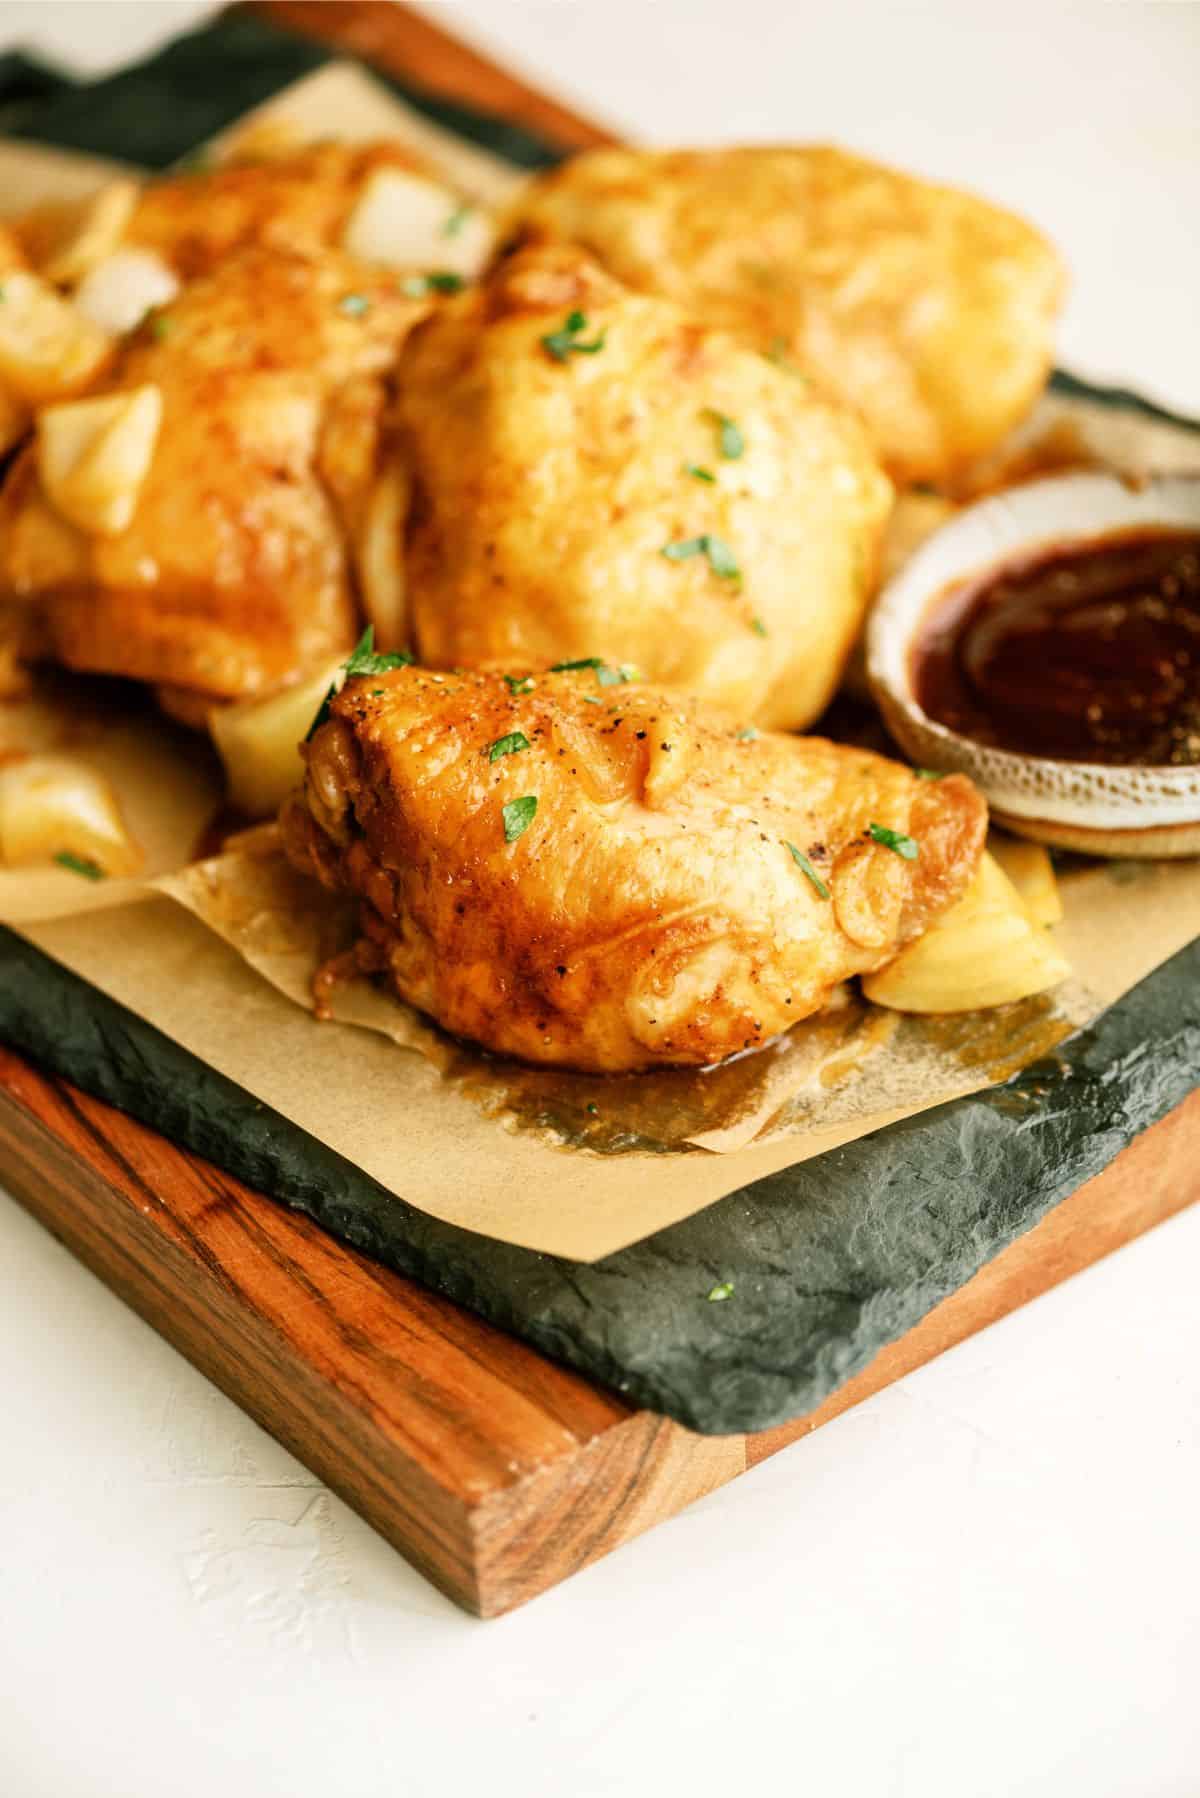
1034 514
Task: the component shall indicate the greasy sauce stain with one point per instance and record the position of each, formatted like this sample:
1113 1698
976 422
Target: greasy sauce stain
1084 652
788 1084
998 1043
663 1110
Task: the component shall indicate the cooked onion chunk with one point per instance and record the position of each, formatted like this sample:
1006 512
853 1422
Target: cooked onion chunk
48 349
405 221
984 951
120 290
53 807
1031 871
93 456
259 741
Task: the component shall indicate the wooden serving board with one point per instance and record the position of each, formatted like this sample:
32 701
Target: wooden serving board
493 1470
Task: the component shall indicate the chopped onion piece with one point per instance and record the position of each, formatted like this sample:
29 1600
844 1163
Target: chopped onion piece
93 456
405 221
1031 871
90 231
51 806
259 740
984 951
119 291
48 349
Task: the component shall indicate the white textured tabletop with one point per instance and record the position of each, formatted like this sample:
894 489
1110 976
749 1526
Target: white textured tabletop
984 1582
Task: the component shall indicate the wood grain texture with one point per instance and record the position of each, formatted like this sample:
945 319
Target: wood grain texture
494 1471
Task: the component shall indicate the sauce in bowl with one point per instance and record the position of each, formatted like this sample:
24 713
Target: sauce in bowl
1084 652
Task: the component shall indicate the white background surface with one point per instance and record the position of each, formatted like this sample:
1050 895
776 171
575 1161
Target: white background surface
984 1582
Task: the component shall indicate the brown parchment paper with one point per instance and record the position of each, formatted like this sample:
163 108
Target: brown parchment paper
218 954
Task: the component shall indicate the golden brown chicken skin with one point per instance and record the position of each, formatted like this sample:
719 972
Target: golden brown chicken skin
300 200
11 254
13 414
610 876
232 576
590 471
926 310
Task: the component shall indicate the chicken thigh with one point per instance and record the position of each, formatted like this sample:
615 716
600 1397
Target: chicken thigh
588 471
584 871
257 397
926 310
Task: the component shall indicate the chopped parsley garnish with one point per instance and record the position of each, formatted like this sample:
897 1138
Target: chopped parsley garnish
80 864
928 773
721 558
566 342
365 660
749 735
354 304
159 325
415 287
699 474
758 627
592 699
728 435
519 683
509 745
905 847
806 868
362 660
593 1110
716 1293
458 218
684 549
778 354
606 674
518 815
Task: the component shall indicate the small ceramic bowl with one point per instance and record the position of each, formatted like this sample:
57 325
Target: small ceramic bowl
1098 808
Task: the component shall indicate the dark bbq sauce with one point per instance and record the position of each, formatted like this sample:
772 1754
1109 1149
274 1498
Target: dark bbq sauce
1085 653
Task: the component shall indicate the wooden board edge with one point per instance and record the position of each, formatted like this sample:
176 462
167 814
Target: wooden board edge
638 1473
190 1306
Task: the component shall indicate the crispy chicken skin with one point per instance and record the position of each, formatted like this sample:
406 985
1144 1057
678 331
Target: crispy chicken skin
11 254
544 490
14 417
232 577
652 912
300 200
926 310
